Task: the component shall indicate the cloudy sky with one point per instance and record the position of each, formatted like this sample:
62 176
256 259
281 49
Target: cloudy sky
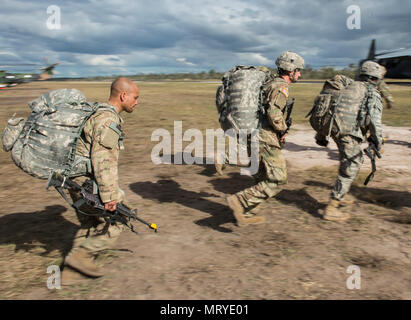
102 37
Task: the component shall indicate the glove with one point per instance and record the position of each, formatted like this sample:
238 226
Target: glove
321 140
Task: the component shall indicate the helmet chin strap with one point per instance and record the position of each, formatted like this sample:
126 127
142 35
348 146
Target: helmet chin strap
292 76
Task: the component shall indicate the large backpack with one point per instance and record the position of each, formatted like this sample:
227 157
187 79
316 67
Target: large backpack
47 141
326 102
242 97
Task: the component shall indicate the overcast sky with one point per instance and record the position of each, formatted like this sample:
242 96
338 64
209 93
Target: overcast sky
102 37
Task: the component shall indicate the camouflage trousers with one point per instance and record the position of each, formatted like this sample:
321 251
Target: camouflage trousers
272 173
351 159
94 234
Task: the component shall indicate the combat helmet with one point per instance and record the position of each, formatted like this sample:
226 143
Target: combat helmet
371 69
289 61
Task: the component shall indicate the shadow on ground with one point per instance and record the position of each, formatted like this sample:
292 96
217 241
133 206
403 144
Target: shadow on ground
46 229
299 198
171 191
393 199
232 182
293 147
390 199
399 143
207 163
302 200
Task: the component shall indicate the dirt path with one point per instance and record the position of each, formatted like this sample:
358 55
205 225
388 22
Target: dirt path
302 152
199 253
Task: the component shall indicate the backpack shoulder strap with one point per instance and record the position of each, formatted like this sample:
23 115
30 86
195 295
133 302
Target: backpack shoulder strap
106 107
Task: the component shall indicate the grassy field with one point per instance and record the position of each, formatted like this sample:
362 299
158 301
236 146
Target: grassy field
195 100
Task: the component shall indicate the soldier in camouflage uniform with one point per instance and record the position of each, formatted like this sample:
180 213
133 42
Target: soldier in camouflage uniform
272 171
101 142
358 112
385 90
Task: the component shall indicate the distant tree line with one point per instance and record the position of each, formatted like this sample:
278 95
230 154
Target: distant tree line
307 73
328 72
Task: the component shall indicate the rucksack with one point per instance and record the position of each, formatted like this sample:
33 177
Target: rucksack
325 104
46 142
243 102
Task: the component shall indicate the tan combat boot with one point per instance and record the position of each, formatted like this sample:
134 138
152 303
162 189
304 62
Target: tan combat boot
81 260
332 213
347 201
238 212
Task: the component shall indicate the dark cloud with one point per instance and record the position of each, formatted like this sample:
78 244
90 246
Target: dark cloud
112 37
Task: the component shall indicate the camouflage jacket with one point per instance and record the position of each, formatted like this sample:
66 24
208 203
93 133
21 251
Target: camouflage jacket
275 95
100 141
373 118
359 112
386 93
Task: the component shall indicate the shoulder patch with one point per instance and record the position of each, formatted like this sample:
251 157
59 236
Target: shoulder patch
284 90
109 136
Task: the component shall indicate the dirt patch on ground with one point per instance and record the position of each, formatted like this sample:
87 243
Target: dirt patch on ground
199 252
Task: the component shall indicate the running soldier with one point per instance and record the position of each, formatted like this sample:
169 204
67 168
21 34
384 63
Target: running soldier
357 114
272 173
101 142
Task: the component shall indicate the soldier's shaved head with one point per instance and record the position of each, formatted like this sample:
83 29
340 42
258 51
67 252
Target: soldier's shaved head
121 85
124 95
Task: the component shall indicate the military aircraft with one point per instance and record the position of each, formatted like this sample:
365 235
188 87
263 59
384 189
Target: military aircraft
398 66
12 79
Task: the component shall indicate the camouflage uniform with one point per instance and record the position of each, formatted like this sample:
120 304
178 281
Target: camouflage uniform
221 107
350 134
101 143
386 93
357 112
272 168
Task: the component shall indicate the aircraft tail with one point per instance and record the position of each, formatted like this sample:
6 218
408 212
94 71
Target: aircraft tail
371 52
47 72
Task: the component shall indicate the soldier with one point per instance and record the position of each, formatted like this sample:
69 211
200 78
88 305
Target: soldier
101 141
385 90
358 112
272 171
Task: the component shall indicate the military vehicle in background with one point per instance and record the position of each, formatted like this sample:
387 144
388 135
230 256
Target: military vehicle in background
397 61
10 79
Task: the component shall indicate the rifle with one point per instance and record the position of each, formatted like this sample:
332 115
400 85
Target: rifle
371 152
122 213
288 109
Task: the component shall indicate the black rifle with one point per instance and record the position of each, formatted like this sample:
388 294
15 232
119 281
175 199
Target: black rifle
122 213
371 152
288 109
